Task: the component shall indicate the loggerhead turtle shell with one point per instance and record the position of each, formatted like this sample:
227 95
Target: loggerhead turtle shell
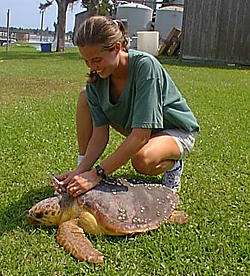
125 207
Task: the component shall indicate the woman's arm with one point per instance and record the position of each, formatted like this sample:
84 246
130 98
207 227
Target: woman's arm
96 147
133 143
85 181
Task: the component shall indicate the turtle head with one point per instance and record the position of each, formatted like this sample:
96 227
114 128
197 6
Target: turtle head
47 212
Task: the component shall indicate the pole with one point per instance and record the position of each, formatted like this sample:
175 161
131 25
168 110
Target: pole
8 30
41 31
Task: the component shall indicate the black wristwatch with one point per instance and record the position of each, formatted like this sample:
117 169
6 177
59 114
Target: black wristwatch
100 172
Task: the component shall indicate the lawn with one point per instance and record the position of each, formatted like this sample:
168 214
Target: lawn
38 94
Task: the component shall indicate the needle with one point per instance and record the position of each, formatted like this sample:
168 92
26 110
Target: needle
56 180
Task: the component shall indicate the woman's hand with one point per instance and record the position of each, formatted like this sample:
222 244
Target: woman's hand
64 179
81 183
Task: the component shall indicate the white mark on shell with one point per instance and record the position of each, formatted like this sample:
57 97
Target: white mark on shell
122 217
134 220
121 210
138 220
122 214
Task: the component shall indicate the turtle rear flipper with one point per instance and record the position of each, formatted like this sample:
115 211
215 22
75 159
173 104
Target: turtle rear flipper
73 239
178 217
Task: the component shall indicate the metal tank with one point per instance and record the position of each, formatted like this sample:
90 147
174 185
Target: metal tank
149 3
167 18
139 17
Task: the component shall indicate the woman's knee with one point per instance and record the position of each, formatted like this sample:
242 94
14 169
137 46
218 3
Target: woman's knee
143 164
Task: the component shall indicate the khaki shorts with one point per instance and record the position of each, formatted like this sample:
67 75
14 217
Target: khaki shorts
185 140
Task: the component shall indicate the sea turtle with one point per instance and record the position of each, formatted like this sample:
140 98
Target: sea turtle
114 207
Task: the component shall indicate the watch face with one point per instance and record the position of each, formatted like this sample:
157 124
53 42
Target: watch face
100 171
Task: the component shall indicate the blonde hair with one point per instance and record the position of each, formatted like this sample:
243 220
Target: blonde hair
103 31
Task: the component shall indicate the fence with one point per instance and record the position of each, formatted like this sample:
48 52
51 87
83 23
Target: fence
217 30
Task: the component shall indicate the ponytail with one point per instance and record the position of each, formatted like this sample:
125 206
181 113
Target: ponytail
124 34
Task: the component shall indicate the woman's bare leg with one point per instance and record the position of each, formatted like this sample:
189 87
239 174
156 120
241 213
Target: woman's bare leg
84 125
157 156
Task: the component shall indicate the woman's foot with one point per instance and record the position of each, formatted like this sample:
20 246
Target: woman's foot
172 178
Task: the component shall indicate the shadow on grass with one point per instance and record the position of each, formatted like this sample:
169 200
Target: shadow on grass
173 61
24 55
14 215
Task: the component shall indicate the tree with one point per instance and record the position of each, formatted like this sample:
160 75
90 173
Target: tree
106 7
92 6
62 6
103 7
61 22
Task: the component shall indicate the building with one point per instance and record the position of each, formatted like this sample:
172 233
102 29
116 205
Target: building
15 35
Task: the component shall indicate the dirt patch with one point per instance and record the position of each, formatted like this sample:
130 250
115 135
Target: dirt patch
14 89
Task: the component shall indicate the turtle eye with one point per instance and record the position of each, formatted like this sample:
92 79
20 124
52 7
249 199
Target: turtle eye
39 215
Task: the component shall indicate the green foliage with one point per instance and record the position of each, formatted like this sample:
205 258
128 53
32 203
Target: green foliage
106 8
44 6
37 133
101 7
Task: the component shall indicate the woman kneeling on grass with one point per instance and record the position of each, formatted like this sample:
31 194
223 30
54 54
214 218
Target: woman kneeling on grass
130 91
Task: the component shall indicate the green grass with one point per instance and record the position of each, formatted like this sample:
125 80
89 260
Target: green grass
38 94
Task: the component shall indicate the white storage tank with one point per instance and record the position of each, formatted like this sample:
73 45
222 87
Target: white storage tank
148 41
167 18
150 3
139 17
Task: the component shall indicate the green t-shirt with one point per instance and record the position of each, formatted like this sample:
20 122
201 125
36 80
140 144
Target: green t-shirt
150 99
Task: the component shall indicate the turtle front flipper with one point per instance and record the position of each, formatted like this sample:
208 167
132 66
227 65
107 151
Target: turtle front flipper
73 239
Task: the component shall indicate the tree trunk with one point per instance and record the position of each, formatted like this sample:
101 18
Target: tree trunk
61 23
